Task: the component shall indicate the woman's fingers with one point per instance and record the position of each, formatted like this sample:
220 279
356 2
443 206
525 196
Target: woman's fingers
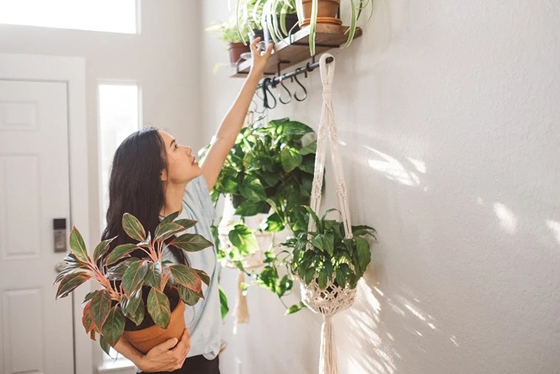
166 345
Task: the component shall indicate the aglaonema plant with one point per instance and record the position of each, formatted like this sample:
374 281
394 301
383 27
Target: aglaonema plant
130 270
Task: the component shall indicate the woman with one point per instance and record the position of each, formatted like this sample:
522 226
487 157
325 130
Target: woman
153 176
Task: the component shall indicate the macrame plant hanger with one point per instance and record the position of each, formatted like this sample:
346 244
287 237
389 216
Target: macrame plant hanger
333 299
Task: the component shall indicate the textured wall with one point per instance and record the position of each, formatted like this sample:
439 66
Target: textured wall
448 119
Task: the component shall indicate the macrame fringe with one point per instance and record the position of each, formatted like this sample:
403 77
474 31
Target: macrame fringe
328 363
241 308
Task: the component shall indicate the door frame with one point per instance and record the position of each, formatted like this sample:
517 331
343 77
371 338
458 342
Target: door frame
72 72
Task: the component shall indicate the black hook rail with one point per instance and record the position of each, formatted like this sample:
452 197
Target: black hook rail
309 67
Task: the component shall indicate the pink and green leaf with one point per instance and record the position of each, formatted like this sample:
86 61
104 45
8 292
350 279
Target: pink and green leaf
100 306
120 252
186 277
70 282
133 277
114 326
77 246
191 242
133 228
158 307
102 248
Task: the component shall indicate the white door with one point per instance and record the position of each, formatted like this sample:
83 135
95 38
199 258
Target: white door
36 331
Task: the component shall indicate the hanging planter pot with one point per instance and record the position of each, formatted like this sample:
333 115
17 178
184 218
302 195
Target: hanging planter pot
332 255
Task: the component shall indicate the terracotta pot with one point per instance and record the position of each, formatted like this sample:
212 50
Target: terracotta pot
146 339
327 9
235 51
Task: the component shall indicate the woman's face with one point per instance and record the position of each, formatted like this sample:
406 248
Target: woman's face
181 163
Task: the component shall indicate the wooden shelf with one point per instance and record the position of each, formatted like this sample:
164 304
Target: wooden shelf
327 37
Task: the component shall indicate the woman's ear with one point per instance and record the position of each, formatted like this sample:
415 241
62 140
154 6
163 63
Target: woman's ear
163 176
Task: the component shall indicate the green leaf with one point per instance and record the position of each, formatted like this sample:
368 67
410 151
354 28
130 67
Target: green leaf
133 277
114 326
191 242
203 276
105 346
133 228
310 148
274 223
340 277
294 308
309 273
164 231
133 307
243 238
363 252
78 246
189 297
120 252
318 242
290 158
322 280
250 208
158 308
223 303
102 248
100 306
153 275
252 189
186 277
70 282
328 243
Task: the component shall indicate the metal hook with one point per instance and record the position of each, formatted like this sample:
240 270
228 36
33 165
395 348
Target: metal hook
287 90
262 101
266 92
301 85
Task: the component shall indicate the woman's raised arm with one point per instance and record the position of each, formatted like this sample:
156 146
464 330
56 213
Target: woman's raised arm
232 123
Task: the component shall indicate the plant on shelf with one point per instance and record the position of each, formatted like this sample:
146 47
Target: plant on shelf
248 18
325 12
322 255
276 17
229 33
142 293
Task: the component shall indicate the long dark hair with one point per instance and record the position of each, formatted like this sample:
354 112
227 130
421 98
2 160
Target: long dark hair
135 186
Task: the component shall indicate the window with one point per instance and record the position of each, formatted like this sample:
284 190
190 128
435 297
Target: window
118 16
118 116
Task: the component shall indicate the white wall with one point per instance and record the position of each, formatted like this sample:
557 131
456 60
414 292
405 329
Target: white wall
449 121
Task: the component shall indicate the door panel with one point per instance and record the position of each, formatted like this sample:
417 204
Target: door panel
36 331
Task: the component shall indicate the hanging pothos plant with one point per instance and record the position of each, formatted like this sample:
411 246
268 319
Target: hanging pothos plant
325 254
269 170
270 166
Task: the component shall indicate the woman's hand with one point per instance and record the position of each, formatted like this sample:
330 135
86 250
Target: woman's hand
259 60
167 356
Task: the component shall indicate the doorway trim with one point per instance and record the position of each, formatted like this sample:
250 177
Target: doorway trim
72 71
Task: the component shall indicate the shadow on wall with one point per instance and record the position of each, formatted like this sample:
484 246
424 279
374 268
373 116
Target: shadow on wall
464 254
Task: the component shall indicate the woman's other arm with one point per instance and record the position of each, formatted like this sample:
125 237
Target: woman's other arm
167 356
232 123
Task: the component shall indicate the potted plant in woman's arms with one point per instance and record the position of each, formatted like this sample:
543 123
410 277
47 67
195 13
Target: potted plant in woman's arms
141 296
